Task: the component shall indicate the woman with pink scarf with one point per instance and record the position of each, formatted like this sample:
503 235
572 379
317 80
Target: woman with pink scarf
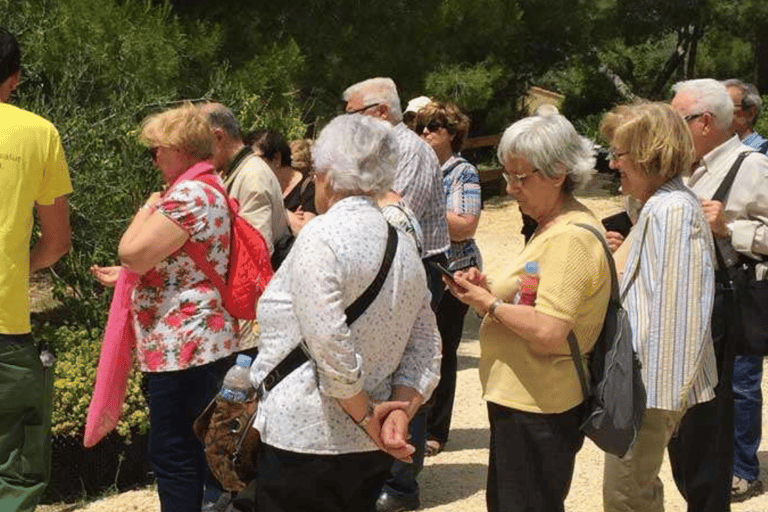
184 336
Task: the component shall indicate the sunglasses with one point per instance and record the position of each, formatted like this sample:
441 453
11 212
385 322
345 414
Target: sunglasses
431 127
153 152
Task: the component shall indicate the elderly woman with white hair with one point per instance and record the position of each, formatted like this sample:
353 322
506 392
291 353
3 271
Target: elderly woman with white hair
535 402
330 428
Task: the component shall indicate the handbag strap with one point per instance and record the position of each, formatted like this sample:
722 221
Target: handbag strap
725 186
721 194
572 342
298 355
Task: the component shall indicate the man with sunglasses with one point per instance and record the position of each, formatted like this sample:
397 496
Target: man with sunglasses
419 182
701 454
33 176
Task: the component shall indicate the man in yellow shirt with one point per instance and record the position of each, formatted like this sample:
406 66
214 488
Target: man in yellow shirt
33 176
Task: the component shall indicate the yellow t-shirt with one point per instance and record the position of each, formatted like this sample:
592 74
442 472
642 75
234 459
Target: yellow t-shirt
32 170
574 285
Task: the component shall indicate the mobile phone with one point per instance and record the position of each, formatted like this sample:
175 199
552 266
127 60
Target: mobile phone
442 269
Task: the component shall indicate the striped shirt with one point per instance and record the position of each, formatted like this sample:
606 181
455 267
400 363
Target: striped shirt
668 290
754 140
418 181
461 183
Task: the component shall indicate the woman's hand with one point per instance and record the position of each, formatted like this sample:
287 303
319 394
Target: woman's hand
388 428
394 435
473 291
614 240
107 276
153 199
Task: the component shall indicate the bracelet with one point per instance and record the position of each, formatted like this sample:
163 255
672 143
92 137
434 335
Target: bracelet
493 307
366 418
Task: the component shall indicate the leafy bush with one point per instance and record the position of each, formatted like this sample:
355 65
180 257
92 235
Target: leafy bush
96 68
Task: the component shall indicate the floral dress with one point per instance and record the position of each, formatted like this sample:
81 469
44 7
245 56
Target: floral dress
178 315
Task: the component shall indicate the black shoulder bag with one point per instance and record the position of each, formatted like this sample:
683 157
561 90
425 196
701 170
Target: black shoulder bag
225 429
745 294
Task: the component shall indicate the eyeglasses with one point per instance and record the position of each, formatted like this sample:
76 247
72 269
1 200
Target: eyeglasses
613 155
153 152
362 109
517 179
691 117
431 127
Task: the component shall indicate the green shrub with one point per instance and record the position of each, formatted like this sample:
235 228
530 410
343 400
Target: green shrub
96 68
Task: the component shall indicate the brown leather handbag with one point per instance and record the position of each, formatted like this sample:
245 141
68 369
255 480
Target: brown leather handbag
230 443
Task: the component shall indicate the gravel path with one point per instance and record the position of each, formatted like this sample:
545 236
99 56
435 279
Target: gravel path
454 480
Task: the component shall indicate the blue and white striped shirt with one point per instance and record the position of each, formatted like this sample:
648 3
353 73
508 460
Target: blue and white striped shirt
668 290
461 183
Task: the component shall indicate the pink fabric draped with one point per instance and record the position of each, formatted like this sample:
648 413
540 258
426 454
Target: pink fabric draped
115 363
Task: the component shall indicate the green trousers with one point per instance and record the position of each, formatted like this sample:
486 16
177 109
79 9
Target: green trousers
25 424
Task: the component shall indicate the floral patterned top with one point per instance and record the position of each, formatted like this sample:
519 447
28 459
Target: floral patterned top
178 315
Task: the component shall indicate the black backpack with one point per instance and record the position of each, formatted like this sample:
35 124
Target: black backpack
614 393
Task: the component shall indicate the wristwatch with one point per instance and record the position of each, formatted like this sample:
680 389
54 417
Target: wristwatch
366 418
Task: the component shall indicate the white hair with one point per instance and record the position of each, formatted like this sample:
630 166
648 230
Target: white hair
711 96
551 144
750 97
377 90
358 153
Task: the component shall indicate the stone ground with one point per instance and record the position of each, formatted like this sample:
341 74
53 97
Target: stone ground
454 480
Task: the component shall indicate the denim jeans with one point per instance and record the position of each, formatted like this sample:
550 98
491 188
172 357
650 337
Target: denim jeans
402 481
747 408
175 400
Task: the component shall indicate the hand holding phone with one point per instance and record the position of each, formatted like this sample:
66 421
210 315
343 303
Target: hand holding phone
447 273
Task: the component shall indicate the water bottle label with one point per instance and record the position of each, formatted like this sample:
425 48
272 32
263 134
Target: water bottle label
233 395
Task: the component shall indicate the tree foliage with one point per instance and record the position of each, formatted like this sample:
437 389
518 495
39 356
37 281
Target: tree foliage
97 67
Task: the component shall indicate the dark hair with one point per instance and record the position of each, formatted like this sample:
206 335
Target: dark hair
271 143
10 55
222 117
446 114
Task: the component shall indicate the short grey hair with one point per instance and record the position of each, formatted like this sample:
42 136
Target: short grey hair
377 90
710 96
222 117
551 144
750 97
358 153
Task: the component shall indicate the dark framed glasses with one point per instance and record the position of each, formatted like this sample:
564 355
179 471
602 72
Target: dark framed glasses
362 109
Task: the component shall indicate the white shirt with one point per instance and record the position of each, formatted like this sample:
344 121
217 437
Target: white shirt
395 342
746 207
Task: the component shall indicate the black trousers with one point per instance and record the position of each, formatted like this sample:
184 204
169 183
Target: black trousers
701 454
450 323
531 460
293 482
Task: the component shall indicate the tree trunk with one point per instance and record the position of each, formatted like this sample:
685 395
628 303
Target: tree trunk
761 57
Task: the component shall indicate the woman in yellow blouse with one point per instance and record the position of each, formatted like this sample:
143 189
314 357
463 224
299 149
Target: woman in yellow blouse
529 379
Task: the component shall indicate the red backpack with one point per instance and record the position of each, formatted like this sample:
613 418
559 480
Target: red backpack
249 269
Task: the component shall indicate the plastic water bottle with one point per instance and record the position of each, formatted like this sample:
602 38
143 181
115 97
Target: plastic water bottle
529 282
237 385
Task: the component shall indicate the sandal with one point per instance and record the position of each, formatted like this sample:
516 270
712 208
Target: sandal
742 489
432 447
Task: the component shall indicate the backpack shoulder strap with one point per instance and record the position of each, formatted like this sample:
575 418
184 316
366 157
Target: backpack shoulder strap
298 355
572 342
